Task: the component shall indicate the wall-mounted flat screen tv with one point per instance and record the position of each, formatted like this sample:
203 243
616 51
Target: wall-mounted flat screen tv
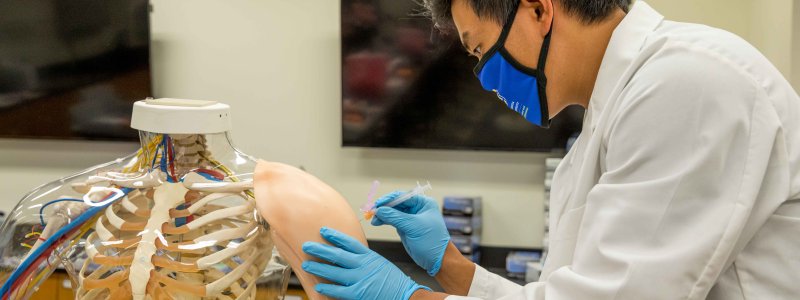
406 85
71 69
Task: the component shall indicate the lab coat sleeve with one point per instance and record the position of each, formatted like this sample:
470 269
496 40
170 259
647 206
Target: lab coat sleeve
686 151
487 285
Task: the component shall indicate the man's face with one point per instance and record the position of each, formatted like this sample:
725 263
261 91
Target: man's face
478 35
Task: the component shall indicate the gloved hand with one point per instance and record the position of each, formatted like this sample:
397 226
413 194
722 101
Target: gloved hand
358 273
421 228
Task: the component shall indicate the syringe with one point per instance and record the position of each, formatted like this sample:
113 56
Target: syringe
418 190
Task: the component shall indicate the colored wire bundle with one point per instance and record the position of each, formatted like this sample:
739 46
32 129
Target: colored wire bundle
145 155
49 268
74 230
43 252
224 169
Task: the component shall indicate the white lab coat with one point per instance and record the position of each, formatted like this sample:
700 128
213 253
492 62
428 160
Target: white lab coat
681 184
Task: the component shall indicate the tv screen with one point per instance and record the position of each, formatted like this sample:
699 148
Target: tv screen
72 69
406 85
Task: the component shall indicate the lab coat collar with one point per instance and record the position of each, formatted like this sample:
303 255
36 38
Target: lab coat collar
626 42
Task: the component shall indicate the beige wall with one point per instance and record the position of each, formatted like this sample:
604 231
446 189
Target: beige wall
732 15
277 63
796 46
771 32
767 24
26 164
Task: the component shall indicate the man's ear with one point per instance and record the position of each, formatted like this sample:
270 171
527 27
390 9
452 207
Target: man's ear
541 11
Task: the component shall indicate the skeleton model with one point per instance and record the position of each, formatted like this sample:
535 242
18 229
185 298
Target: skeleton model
177 220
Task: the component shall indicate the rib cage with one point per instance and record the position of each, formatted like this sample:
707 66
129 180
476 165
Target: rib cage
175 240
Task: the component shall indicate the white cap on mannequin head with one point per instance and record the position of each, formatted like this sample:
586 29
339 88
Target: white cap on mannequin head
181 116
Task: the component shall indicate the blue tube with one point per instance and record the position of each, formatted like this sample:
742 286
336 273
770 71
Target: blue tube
41 210
164 155
155 155
207 176
28 263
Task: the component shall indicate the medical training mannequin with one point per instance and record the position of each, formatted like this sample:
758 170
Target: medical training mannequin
297 205
176 220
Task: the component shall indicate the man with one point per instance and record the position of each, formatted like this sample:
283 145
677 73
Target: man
683 184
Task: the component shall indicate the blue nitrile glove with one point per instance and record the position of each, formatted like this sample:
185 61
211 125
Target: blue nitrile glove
358 272
421 228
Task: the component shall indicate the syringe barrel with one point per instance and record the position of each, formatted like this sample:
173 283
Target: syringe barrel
404 197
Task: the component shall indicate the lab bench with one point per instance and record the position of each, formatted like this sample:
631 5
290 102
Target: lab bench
58 286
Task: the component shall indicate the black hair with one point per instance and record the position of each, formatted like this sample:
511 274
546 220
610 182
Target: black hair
588 11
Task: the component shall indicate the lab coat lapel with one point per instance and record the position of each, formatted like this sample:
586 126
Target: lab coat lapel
623 49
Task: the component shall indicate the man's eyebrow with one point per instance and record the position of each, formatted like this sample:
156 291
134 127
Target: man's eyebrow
465 41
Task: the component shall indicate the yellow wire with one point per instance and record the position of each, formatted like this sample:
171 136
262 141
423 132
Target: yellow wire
26 245
227 171
141 158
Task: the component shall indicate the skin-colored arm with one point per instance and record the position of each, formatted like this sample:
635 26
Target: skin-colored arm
296 205
456 273
455 276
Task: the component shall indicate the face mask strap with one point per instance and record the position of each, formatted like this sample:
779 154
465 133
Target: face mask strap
542 79
507 27
501 40
543 55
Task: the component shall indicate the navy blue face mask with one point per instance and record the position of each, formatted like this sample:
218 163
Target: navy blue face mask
521 88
